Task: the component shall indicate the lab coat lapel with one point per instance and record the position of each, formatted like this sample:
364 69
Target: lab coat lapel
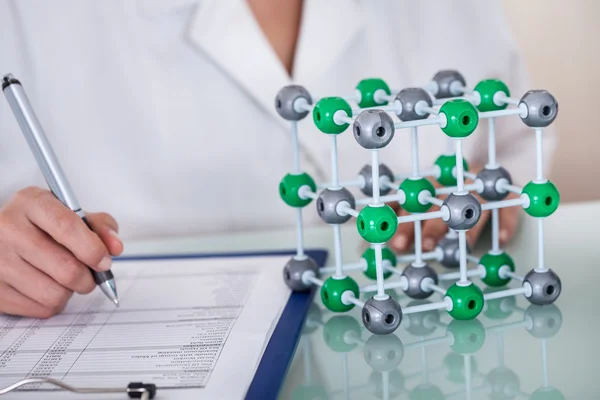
227 32
327 31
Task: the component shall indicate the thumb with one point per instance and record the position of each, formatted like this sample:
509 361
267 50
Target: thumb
105 226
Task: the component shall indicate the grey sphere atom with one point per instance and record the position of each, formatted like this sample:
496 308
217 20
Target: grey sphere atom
293 271
444 80
328 201
409 98
383 353
543 322
449 248
542 108
545 287
422 323
381 317
415 276
366 173
464 211
489 177
285 99
373 129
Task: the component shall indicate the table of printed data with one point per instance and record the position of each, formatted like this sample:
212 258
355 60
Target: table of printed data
94 343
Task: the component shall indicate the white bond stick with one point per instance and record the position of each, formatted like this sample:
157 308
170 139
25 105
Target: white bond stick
503 186
452 276
356 182
334 163
501 97
462 250
375 175
340 118
502 204
500 113
495 230
541 265
429 286
491 143
470 99
504 293
344 209
427 342
419 122
390 108
451 189
425 172
385 385
295 149
415 151
382 199
420 217
348 297
469 175
381 295
309 276
358 266
473 259
305 191
337 241
506 327
433 200
512 275
427 109
299 234
460 173
539 170
430 255
446 304
544 363
467 361
301 105
418 246
401 283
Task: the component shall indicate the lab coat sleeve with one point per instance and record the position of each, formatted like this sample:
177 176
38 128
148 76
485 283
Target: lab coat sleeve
515 141
17 165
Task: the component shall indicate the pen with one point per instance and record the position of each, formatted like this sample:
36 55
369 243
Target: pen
48 163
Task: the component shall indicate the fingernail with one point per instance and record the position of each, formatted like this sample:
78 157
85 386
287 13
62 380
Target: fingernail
428 244
400 242
503 235
105 263
114 234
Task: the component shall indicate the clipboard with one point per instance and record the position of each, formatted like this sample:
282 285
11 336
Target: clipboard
277 357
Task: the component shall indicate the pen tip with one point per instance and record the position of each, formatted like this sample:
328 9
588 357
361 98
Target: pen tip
116 301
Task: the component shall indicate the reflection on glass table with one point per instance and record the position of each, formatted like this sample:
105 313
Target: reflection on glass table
431 356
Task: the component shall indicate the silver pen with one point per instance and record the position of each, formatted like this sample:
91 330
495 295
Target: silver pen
48 163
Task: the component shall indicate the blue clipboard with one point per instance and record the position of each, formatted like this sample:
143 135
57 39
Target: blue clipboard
277 357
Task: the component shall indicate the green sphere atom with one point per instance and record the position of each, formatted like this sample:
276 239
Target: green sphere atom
468 336
492 264
332 290
426 391
461 116
412 188
447 163
543 198
467 301
547 393
367 89
369 256
336 328
324 111
290 186
377 224
487 89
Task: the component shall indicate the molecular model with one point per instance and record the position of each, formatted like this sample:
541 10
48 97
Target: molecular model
448 103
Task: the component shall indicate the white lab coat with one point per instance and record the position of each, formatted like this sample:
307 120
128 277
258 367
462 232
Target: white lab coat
162 112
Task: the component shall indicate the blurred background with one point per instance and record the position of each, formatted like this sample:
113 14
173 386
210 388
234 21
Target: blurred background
560 41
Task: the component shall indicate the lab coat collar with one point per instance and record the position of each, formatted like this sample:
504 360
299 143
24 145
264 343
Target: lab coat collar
157 8
227 32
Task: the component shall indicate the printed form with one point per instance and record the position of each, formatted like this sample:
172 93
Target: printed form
196 328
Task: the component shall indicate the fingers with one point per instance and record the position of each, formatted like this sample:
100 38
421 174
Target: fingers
14 303
107 229
404 236
32 283
509 221
40 250
65 227
433 231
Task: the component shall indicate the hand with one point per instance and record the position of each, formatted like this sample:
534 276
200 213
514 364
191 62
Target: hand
434 230
45 251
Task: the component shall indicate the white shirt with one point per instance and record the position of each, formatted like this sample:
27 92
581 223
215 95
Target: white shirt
162 112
